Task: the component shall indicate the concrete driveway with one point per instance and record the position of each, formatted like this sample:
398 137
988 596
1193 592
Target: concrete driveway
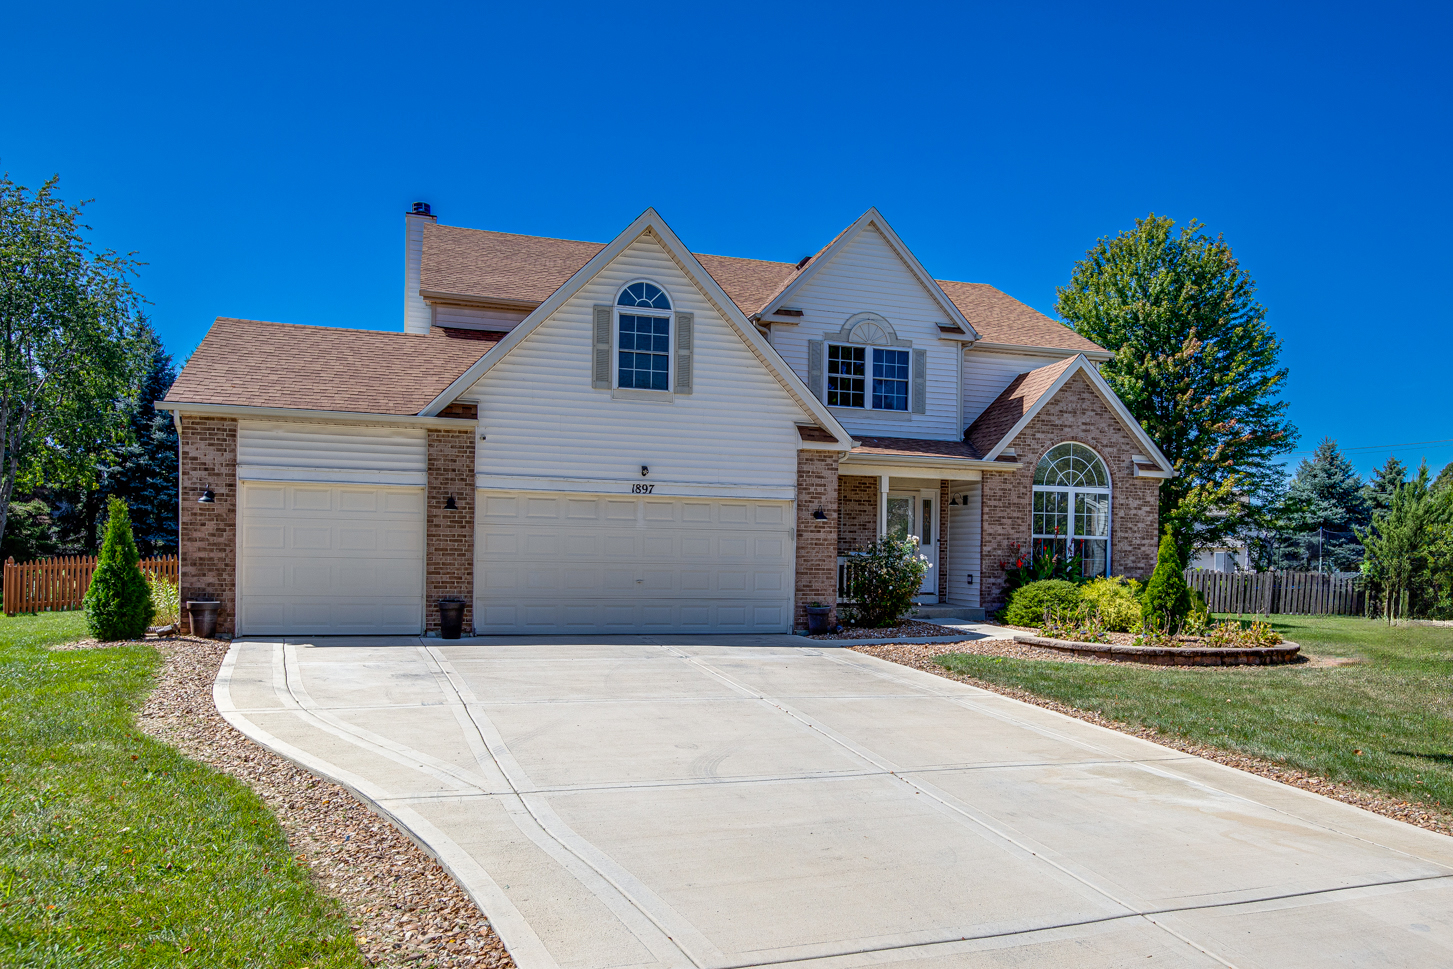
687 801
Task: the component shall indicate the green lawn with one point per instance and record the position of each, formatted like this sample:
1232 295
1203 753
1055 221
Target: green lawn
119 851
1396 707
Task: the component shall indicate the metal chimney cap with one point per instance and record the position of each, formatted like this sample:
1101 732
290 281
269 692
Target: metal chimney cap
421 208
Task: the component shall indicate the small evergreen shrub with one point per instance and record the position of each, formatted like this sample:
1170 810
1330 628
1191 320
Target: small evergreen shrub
1116 600
1028 603
884 579
1167 599
118 604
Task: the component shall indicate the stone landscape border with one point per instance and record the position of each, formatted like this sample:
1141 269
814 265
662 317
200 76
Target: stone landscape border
1173 655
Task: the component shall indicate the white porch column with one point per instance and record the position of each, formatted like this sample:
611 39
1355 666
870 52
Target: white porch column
882 505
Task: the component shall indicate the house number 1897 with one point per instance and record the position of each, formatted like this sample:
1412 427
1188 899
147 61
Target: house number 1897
642 489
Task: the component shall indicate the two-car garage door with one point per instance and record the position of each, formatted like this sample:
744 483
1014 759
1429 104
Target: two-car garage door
561 563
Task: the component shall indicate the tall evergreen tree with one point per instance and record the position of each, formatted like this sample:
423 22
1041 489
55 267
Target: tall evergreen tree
1384 483
143 472
1324 505
1445 478
1195 362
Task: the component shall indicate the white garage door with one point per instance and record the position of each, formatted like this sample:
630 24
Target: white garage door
319 559
553 563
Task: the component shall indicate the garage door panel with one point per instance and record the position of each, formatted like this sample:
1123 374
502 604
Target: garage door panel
632 564
331 560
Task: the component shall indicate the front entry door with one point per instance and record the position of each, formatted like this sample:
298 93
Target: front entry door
916 514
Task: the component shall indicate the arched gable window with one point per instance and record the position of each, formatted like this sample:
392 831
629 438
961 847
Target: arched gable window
643 355
1072 506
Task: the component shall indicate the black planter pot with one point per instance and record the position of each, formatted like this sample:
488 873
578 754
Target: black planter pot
203 615
817 619
451 618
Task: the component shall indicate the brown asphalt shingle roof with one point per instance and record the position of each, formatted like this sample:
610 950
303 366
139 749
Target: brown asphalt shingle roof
499 265
912 447
256 364
1016 400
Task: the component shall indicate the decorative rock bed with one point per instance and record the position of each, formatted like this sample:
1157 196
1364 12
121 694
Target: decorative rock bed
1173 655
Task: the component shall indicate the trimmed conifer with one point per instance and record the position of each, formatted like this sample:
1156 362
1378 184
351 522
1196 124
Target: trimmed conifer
1167 599
118 605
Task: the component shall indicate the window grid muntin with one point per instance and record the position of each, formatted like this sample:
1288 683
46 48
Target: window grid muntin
846 375
1072 494
890 379
644 295
643 360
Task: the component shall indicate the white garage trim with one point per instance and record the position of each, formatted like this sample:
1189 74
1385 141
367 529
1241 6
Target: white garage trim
552 562
329 559
624 486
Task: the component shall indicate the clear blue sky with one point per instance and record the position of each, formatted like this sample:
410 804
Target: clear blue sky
260 158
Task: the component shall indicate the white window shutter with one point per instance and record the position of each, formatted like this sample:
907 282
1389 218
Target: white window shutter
920 382
684 348
814 368
600 373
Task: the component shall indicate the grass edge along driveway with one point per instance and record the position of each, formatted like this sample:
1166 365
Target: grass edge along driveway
1385 723
119 850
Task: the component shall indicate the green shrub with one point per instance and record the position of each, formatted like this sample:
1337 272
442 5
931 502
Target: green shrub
883 580
165 600
1167 599
118 604
1028 603
1116 600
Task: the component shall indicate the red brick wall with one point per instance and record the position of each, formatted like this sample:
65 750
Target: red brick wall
817 541
857 512
1076 413
942 539
449 533
207 533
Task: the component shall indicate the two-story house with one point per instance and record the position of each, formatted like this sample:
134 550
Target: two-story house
632 437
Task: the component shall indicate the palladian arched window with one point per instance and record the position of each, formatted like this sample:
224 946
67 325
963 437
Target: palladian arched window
1072 507
643 358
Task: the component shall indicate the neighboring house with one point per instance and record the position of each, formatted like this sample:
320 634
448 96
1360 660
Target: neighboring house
1232 556
577 436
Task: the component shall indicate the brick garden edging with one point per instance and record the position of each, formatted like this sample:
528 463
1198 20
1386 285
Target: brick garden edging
1173 655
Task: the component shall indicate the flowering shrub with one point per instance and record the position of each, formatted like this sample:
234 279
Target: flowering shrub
1023 568
1232 633
884 579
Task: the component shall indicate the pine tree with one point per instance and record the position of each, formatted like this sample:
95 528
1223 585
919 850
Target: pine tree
1324 505
1167 598
118 604
1384 484
143 473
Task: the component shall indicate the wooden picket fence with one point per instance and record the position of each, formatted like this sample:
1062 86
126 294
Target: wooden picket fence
61 583
1300 593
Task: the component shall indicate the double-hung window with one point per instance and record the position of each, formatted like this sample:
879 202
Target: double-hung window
848 378
643 357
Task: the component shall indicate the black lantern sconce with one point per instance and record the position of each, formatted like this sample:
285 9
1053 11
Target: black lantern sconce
820 515
207 497
954 500
970 579
449 504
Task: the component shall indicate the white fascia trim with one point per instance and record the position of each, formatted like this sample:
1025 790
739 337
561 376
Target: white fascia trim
1083 365
397 479
876 462
750 335
178 408
622 487
1059 353
874 217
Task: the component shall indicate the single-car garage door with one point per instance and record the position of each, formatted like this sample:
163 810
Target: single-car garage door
561 563
320 559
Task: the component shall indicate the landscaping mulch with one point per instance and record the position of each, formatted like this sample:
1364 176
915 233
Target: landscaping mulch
404 908
921 657
908 629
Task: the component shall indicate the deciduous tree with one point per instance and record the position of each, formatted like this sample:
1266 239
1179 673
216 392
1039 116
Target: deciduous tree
1195 362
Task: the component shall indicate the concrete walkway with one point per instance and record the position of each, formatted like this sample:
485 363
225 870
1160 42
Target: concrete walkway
687 801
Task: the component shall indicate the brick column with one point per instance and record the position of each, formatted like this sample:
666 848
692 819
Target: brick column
817 539
207 533
449 532
943 499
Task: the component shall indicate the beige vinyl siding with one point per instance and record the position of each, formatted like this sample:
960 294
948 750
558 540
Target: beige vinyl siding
965 525
540 419
477 318
868 276
295 451
987 373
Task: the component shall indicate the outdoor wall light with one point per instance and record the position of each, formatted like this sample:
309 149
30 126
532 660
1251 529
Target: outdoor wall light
449 503
820 515
954 500
207 497
645 470
970 580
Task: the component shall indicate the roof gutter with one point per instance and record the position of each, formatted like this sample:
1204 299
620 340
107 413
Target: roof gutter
1099 356
933 463
242 412
487 302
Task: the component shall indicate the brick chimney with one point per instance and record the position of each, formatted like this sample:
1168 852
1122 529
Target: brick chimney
417 316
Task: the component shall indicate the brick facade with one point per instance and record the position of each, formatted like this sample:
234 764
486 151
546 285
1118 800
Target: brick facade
943 498
817 540
207 533
857 512
1076 413
449 532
